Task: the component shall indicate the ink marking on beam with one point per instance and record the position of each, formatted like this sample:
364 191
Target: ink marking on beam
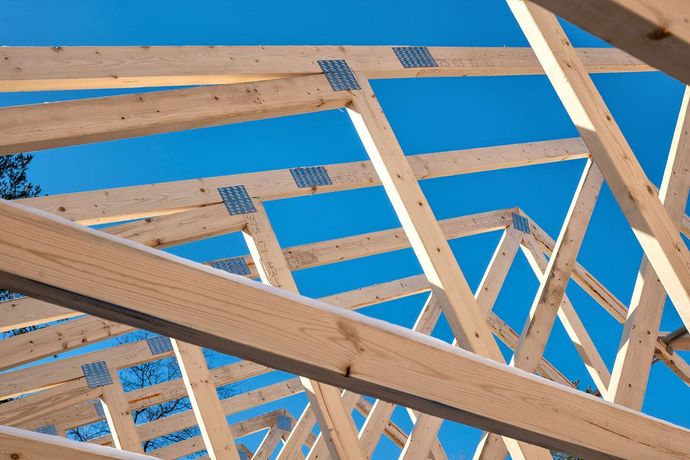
236 265
159 344
414 56
97 374
237 200
284 423
310 176
47 429
339 74
521 223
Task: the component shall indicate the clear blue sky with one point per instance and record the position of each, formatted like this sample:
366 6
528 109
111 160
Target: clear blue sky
427 115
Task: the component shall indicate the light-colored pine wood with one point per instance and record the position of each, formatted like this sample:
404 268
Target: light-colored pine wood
203 397
268 444
638 342
34 378
35 410
421 227
239 429
633 191
656 31
373 426
87 67
606 299
58 124
571 322
426 426
335 422
299 257
28 445
558 271
127 203
25 311
119 417
49 341
113 278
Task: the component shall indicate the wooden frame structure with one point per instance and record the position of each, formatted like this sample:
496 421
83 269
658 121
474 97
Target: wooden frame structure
109 282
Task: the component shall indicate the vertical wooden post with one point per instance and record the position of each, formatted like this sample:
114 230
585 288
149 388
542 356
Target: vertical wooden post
335 422
208 411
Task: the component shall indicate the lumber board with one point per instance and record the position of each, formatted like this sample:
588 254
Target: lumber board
59 124
656 31
21 444
141 201
635 194
113 278
90 67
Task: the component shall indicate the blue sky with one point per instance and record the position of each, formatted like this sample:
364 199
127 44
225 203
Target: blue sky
427 115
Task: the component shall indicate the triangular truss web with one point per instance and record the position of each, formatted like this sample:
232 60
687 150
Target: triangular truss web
81 287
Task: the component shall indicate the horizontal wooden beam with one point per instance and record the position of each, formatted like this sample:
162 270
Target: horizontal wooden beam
32 311
61 262
656 31
89 67
21 444
58 124
127 203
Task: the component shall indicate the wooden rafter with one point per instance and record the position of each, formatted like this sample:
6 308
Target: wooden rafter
36 241
58 68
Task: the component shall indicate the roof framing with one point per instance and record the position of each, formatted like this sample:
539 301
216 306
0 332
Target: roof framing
121 277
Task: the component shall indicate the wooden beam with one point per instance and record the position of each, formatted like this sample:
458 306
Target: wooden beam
25 311
572 324
635 194
548 299
119 417
34 378
638 342
239 430
127 203
337 426
603 296
21 444
203 397
114 278
58 124
421 227
268 444
88 67
655 31
34 410
59 338
373 426
426 427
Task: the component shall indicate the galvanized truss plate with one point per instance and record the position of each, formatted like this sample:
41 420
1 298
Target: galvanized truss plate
339 74
284 423
521 223
236 265
47 429
97 374
414 56
237 200
159 344
310 176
